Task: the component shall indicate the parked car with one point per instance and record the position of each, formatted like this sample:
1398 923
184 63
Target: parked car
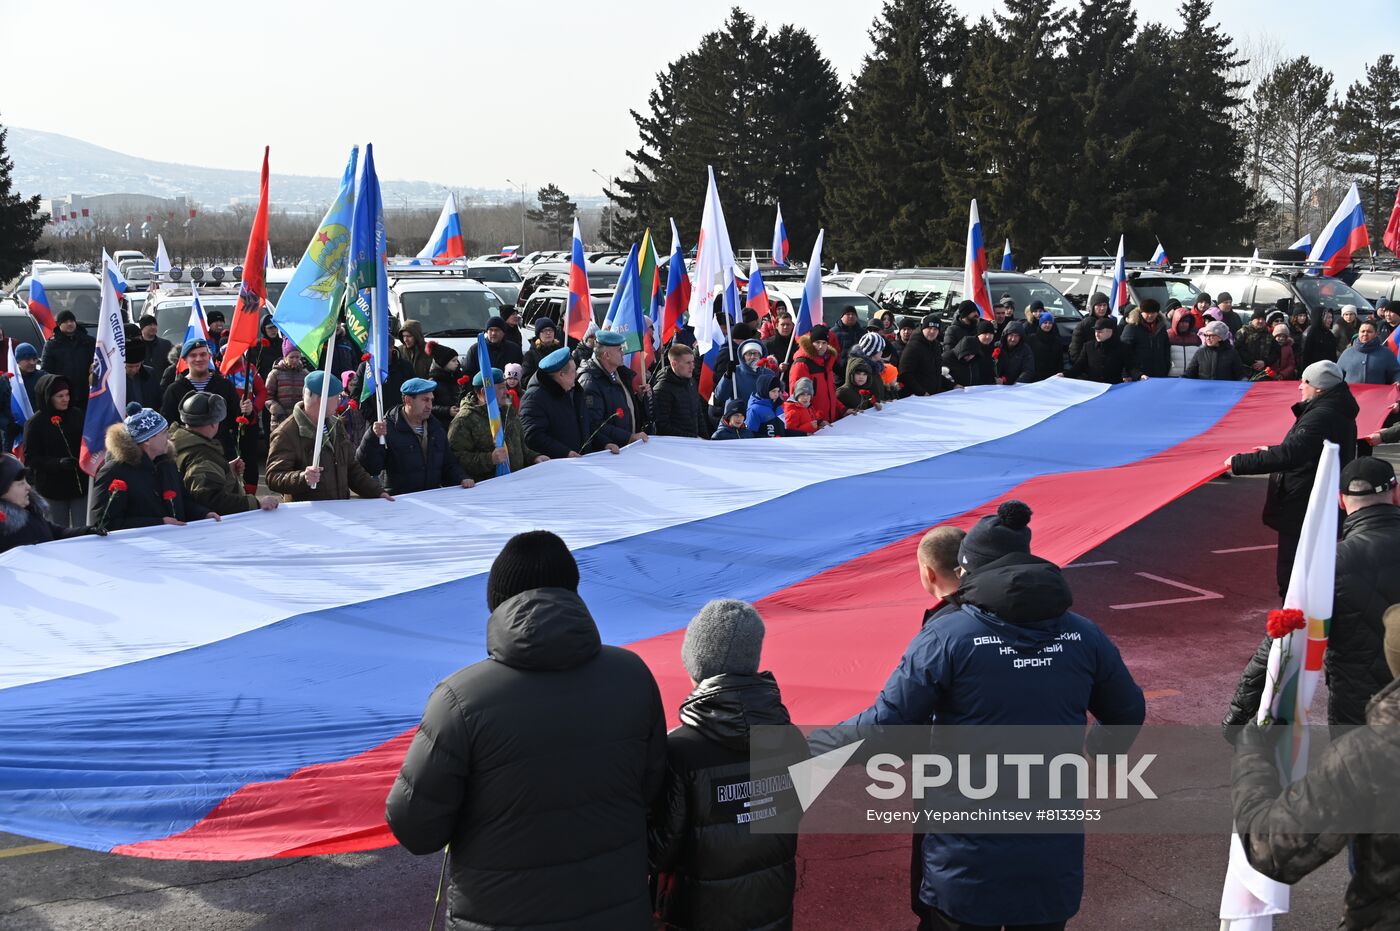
501 278
916 292
276 280
452 307
556 274
170 304
17 324
1077 277
836 300
1264 282
1379 282
80 292
550 302
868 280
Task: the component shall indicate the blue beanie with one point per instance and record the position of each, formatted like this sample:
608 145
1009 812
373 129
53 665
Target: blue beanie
25 351
1047 317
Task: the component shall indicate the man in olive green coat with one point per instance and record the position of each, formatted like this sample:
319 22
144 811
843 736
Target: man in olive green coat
473 443
208 476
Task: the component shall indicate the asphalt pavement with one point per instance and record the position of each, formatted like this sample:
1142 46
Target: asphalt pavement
1183 593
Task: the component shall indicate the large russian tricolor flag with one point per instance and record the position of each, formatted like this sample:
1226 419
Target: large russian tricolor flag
578 314
1118 288
1343 235
275 725
781 246
975 287
445 242
20 408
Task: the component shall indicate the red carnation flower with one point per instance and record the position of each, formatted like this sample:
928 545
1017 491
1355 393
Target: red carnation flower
243 421
619 413
4 374
168 495
2 517
464 379
353 404
116 486
865 393
996 353
365 357
264 342
1283 621
56 420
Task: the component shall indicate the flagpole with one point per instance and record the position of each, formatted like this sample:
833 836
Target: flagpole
374 362
325 399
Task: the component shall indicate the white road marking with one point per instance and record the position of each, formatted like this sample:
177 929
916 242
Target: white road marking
1201 594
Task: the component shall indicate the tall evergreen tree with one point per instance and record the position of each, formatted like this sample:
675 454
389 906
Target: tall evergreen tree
648 197
1117 182
1216 213
884 186
1294 105
1367 130
554 216
20 222
803 104
1012 106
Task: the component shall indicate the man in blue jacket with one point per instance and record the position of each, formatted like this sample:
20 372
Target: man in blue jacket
958 671
414 455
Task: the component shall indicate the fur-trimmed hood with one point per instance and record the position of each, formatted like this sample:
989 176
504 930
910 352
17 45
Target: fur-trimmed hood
14 519
121 447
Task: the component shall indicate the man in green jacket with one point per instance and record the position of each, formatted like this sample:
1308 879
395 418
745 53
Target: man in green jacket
472 441
208 476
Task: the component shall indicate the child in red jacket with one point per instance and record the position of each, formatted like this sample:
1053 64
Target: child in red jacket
797 410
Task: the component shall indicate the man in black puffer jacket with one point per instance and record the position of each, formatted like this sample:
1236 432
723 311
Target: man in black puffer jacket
1326 412
539 764
675 397
1345 800
712 870
69 354
551 413
921 362
1366 585
1145 344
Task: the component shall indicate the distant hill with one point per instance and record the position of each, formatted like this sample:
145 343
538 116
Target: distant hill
54 165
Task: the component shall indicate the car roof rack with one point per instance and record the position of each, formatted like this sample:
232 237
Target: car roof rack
1226 264
1094 263
452 268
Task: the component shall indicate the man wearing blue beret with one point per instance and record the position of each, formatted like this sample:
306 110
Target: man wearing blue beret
612 414
414 454
474 444
289 469
201 375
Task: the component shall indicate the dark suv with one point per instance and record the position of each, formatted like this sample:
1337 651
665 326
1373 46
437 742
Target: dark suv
915 292
1264 282
1378 280
1079 276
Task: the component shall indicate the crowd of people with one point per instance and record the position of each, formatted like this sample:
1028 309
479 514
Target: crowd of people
561 400
642 834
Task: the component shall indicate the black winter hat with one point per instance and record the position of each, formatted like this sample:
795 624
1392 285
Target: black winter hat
214 316
135 350
495 322
1259 314
202 408
63 316
820 332
1098 297
985 326
1105 323
742 331
10 469
537 559
996 535
1150 306
965 308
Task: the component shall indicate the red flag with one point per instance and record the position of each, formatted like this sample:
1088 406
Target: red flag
252 295
1392 229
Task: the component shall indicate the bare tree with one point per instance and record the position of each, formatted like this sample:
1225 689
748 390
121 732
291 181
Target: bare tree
1294 107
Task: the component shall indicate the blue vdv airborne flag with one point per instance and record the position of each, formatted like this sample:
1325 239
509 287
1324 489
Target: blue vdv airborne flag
493 407
366 265
308 308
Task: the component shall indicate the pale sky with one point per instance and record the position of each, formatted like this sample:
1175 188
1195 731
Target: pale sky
470 95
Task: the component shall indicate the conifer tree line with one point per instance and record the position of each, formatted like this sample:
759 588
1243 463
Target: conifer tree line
1070 122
